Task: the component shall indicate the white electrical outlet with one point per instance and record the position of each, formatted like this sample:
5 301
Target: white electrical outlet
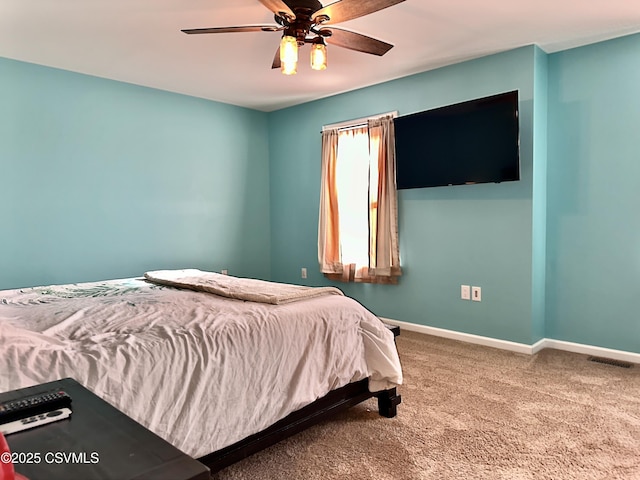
476 294
465 292
224 271
303 272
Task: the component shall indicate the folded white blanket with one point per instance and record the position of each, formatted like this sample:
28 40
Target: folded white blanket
248 289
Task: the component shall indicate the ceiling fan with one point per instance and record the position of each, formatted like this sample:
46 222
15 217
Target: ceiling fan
303 22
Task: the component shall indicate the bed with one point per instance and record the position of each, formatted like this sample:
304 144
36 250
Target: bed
218 366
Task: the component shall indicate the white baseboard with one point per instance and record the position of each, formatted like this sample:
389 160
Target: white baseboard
519 347
591 350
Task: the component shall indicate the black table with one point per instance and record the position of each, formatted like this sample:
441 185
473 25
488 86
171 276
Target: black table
96 442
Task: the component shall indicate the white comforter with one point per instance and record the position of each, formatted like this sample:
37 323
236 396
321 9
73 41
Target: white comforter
197 369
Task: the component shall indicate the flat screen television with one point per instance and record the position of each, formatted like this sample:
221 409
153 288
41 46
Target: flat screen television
477 141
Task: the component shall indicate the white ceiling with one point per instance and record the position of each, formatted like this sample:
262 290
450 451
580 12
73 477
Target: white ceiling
139 41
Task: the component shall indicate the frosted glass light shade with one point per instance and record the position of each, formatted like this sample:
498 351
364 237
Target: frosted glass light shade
318 56
288 55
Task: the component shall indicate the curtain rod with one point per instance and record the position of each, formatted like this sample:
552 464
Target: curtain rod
358 122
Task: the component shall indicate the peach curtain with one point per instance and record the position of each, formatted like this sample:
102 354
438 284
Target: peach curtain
328 232
381 262
386 248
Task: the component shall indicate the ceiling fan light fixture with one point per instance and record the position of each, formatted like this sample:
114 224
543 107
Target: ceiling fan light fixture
303 21
289 55
319 56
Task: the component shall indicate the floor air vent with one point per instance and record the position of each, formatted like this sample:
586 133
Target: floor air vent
610 361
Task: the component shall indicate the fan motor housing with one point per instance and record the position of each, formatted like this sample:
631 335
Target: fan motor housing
311 5
301 25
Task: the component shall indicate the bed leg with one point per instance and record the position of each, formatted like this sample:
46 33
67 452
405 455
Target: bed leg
388 401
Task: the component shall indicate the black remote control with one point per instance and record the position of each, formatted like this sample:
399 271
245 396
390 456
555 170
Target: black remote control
33 405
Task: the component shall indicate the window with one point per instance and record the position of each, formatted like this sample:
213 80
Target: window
357 231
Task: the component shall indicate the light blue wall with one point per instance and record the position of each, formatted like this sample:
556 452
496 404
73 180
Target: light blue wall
475 234
593 232
101 179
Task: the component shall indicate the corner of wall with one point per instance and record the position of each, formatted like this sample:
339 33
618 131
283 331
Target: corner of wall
539 194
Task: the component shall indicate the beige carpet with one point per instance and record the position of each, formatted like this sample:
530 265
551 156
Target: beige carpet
472 412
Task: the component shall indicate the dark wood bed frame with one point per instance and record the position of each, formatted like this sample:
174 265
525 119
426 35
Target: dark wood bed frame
332 403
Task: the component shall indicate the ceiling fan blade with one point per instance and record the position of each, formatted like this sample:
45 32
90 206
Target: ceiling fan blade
247 28
278 6
350 9
276 59
358 42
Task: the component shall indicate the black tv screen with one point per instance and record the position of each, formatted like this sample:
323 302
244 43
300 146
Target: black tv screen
477 141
